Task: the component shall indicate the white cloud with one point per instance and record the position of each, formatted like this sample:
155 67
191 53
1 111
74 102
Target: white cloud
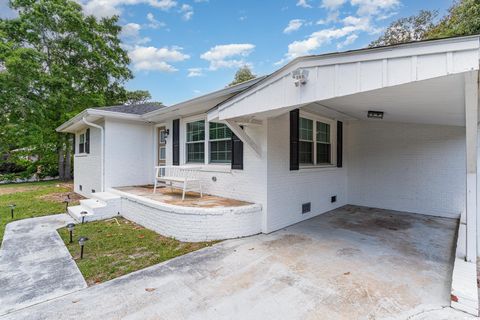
156 59
130 35
187 11
351 25
332 4
293 25
108 8
154 23
348 41
373 7
195 72
303 3
228 55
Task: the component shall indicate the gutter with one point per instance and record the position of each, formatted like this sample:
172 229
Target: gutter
102 151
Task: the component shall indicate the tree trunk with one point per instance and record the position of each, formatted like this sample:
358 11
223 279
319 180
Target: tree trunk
68 160
61 162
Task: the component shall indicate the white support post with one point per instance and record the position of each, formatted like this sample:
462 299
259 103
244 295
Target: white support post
240 133
471 133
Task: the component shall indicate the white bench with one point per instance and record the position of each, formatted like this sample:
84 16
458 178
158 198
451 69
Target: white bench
185 178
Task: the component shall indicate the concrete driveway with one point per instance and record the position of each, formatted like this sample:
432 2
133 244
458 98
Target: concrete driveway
350 263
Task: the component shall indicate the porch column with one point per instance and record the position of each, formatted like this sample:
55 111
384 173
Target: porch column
471 128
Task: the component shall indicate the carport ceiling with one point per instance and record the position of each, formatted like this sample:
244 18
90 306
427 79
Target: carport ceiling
434 101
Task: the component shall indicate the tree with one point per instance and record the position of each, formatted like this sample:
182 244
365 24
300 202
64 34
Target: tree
463 19
54 63
407 29
243 74
137 97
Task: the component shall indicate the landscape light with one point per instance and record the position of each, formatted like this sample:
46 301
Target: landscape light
67 201
81 242
83 214
12 207
70 228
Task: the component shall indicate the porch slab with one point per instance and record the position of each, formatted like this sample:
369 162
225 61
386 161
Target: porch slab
173 196
350 263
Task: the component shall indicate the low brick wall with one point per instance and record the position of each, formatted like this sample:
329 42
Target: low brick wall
193 224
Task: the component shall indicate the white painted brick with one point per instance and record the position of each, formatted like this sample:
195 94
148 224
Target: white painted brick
198 224
407 167
87 168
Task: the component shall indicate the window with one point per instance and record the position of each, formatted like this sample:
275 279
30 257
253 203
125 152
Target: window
220 138
315 145
196 141
323 143
306 141
81 144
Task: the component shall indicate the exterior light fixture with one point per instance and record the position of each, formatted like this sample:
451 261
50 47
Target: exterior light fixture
300 76
81 242
70 228
83 214
12 208
167 132
375 114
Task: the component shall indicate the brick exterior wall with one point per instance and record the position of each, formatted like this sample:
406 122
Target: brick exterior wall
87 167
194 224
407 167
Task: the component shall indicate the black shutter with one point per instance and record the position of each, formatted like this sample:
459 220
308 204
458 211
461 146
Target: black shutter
339 144
237 153
74 144
176 142
294 145
87 141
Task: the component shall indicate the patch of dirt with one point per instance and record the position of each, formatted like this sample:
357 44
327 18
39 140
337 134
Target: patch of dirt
61 196
11 190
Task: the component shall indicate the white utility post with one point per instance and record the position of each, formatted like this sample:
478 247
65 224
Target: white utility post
471 131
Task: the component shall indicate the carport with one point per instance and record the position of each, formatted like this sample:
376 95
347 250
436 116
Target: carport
418 155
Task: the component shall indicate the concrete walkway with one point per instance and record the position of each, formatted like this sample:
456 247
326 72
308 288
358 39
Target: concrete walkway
350 263
35 265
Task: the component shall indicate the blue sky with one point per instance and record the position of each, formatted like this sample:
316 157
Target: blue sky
182 49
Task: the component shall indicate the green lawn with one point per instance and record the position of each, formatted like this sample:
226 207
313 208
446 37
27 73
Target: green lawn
118 246
32 200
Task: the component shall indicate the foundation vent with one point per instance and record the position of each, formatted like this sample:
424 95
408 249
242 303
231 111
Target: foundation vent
306 207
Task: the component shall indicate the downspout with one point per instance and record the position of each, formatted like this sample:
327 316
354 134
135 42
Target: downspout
102 151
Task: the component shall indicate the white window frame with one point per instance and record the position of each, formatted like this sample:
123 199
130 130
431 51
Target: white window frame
183 139
333 140
205 140
217 140
80 134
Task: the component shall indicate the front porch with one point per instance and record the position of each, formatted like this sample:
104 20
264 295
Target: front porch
173 196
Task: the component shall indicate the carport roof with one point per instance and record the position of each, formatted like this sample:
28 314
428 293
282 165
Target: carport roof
341 74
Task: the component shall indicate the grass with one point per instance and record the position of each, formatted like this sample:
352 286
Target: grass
32 199
118 246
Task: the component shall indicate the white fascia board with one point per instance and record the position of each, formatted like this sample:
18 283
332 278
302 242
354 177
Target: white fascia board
419 48
99 113
202 99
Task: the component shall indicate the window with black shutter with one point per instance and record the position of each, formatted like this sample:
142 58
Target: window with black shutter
176 142
237 153
294 146
87 141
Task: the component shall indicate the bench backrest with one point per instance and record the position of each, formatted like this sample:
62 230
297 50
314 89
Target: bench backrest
190 173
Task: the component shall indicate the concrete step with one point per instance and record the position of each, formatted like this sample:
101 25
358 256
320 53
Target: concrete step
75 213
105 196
92 204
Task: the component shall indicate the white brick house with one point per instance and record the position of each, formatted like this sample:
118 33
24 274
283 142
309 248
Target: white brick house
308 143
